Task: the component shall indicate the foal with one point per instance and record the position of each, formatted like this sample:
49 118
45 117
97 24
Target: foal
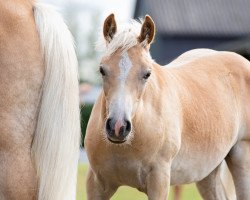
155 126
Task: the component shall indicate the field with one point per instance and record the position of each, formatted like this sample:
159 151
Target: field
127 193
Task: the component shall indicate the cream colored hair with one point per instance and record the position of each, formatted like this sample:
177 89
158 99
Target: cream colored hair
57 139
125 38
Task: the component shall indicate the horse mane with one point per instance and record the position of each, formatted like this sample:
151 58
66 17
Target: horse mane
125 38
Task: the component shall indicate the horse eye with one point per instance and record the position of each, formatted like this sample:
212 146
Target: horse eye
102 71
147 75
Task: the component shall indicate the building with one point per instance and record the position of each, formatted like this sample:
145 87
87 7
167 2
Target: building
187 24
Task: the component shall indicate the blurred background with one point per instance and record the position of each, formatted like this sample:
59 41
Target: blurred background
181 26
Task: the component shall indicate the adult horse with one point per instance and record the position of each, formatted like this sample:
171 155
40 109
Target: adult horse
155 126
39 131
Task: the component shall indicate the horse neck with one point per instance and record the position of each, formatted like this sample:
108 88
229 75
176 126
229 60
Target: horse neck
161 91
159 82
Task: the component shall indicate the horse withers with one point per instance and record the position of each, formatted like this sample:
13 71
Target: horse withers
39 104
155 126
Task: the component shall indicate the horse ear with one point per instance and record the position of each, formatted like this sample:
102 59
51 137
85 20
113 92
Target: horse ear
147 30
109 27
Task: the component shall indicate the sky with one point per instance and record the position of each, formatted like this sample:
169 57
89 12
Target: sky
123 9
88 17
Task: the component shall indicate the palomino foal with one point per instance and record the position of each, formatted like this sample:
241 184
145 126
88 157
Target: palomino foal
155 126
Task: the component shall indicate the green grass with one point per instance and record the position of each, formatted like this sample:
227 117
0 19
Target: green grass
127 193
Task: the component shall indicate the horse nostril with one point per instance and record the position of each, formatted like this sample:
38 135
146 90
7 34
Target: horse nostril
128 126
113 126
108 125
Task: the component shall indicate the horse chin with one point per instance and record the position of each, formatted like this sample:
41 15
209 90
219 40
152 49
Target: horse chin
117 141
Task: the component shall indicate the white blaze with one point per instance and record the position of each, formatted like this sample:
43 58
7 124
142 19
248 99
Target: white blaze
124 65
120 105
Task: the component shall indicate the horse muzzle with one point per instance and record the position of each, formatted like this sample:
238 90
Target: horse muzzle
117 130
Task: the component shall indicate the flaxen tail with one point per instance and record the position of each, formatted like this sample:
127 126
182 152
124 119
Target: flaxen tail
57 139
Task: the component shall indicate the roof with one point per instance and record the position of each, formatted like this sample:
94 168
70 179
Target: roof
230 18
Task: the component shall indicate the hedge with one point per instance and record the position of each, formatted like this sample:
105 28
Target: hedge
85 114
